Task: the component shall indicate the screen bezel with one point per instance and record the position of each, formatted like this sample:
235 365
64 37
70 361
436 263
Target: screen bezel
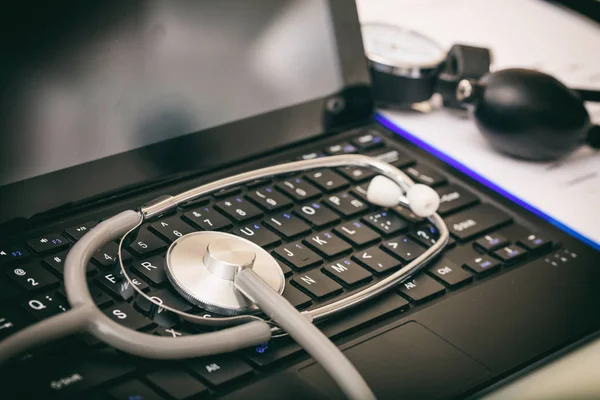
134 170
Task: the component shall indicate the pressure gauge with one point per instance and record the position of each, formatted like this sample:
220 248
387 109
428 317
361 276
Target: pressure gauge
403 64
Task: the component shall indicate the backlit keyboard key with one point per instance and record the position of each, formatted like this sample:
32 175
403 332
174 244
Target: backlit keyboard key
125 315
238 209
347 272
327 244
357 233
146 243
107 256
511 254
421 288
475 221
258 234
268 198
394 157
357 174
376 260
449 273
56 263
32 277
78 231
385 222
340 148
171 229
297 255
327 180
425 175
368 141
482 264
403 247
51 242
206 218
220 370
316 214
346 204
13 254
287 225
491 242
317 284
44 306
298 189
151 269
534 242
454 198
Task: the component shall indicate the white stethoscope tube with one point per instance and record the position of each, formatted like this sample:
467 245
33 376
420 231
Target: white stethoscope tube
396 188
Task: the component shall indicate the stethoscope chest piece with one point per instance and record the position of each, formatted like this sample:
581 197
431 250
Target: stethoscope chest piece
202 267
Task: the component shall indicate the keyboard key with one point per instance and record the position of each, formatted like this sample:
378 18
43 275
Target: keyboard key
346 204
347 272
32 277
407 214
44 305
327 180
177 383
421 288
357 174
78 231
73 377
454 198
11 321
118 286
298 189
511 254
425 175
311 156
51 242
317 215
297 255
202 201
238 209
393 157
258 234
491 242
228 192
450 273
360 191
57 264
404 248
133 390
146 243
385 222
376 260
171 229
151 269
327 244
125 315
482 264
107 256
268 198
368 141
207 219
297 298
164 296
287 225
170 332
534 242
340 148
316 284
428 235
269 353
219 370
357 233
475 221
13 254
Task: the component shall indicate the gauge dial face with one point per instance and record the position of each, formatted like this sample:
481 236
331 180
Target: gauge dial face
397 47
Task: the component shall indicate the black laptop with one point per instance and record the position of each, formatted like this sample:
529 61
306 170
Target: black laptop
106 105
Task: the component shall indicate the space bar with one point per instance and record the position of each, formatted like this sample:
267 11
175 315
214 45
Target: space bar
354 318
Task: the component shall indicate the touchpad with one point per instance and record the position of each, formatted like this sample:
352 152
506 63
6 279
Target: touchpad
407 362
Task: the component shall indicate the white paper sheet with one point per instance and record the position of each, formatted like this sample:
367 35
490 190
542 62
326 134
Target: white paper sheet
521 33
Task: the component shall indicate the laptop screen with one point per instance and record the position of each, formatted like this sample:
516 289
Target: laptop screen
81 81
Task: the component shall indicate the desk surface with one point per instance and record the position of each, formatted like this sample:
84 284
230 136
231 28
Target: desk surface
521 33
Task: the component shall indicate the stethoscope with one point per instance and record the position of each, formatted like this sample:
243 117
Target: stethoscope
230 276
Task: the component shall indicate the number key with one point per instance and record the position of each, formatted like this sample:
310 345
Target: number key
327 180
32 277
53 241
146 243
238 209
298 188
207 218
171 229
268 198
107 255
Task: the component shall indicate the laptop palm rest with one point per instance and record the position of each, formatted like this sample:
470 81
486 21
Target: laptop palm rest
406 362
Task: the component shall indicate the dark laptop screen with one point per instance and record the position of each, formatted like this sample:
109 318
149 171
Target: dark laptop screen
80 81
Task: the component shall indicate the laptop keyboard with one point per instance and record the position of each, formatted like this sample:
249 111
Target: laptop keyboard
329 241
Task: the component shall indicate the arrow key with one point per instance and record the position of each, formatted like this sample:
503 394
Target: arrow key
376 260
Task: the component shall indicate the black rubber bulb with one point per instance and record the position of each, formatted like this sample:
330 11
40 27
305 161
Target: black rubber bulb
527 114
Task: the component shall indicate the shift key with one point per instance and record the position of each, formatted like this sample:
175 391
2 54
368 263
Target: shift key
92 371
476 221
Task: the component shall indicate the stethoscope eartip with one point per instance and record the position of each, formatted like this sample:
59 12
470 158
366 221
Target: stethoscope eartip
423 200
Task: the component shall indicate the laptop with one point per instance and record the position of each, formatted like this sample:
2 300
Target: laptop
107 105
